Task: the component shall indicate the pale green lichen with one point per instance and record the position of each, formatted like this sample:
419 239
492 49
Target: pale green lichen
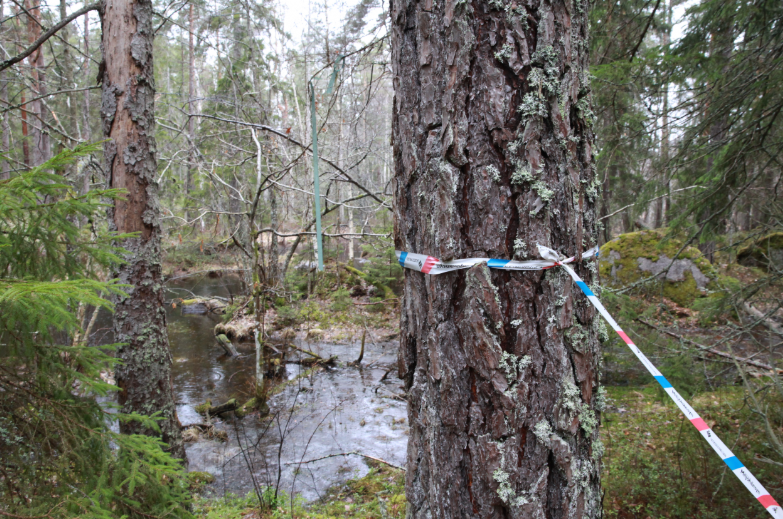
577 336
600 329
493 172
517 12
543 431
505 492
513 146
593 190
588 419
571 396
510 363
598 449
532 106
543 191
600 399
522 174
544 81
515 323
571 400
504 53
520 247
545 55
582 476
585 111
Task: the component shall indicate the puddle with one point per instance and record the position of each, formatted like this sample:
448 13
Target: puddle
336 410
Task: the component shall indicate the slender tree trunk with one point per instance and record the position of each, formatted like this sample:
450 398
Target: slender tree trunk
67 75
493 154
85 72
25 130
191 107
661 203
128 116
5 127
274 247
41 149
87 135
23 109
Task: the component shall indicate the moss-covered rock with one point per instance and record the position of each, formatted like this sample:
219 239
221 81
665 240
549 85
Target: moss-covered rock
765 252
635 256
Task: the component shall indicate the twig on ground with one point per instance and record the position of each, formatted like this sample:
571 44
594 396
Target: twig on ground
352 453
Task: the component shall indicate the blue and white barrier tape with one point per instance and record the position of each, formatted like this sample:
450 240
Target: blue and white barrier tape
433 266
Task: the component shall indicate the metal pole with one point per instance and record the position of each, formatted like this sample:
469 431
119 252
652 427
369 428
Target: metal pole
316 181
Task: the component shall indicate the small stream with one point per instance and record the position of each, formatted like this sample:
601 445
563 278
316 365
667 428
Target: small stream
335 410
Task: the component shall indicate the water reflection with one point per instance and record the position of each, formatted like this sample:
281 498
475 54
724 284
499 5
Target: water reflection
338 410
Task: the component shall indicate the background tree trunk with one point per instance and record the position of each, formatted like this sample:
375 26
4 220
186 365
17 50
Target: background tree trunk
5 127
127 113
493 154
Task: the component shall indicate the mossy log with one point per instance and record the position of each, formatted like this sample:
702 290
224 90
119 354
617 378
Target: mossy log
251 405
213 410
226 344
766 252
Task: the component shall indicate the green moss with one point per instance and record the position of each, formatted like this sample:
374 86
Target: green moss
683 293
762 252
198 480
625 271
202 409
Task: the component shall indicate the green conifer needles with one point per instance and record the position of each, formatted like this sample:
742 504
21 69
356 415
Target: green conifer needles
58 454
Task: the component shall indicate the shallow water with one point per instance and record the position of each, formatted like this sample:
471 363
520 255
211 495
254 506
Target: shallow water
333 411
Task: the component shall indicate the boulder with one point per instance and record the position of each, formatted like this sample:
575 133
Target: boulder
639 255
766 252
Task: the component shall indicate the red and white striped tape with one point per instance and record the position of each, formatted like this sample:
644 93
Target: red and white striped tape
432 266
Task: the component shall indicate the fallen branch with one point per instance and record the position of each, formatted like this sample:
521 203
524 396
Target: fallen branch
707 349
352 453
758 314
376 302
306 351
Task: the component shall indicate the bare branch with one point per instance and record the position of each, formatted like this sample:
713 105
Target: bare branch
48 34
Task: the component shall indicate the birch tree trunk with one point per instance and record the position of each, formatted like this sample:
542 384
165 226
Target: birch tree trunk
128 116
493 153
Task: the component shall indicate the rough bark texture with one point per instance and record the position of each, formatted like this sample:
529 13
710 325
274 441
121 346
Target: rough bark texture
127 112
493 154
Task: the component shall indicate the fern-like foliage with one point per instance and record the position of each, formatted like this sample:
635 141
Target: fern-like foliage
59 456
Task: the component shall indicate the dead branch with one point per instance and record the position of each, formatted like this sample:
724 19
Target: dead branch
48 34
352 453
707 349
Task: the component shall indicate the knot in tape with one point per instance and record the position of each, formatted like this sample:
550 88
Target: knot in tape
550 254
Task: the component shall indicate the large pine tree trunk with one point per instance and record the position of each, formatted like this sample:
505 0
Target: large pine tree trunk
493 154
128 116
